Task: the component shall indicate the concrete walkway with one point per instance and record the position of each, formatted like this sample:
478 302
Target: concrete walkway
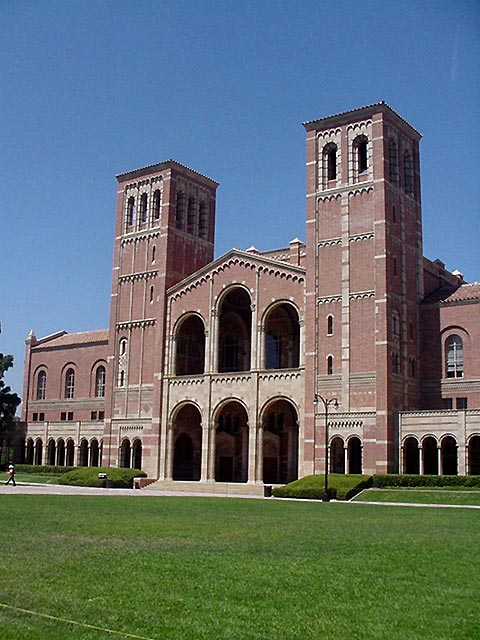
65 490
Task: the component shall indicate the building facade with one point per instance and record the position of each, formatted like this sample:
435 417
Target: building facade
209 369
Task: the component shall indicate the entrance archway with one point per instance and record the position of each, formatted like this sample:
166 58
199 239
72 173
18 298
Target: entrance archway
125 453
231 444
448 452
83 454
137 454
50 452
280 443
38 451
337 455
235 331
474 456
187 444
94 453
282 338
70 455
61 452
354 455
411 455
430 456
29 456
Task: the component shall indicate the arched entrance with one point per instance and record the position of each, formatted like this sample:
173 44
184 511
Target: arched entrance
29 455
448 452
190 347
50 452
83 454
282 338
137 454
38 451
430 456
354 452
61 452
280 443
94 453
231 444
125 453
411 455
187 444
235 331
337 455
474 456
70 454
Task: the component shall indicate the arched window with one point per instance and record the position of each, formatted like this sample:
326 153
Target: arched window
454 357
151 293
154 254
408 173
123 346
180 211
100 382
203 220
393 162
121 378
157 198
330 161
192 216
360 155
330 325
130 211
282 338
329 365
41 385
69 383
143 207
396 324
190 347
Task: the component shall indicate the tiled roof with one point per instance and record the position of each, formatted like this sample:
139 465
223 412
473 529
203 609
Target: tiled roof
159 166
449 295
68 339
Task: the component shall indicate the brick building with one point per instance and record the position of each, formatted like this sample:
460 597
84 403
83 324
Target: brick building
209 369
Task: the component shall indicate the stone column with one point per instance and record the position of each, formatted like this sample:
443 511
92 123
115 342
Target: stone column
259 458
205 452
420 453
169 453
252 452
439 458
211 460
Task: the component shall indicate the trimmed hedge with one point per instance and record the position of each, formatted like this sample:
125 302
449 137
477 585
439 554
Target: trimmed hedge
42 468
119 478
341 486
414 480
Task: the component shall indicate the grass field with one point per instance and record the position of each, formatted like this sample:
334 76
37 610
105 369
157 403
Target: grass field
37 478
225 569
444 495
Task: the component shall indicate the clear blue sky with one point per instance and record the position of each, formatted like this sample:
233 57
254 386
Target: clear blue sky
92 89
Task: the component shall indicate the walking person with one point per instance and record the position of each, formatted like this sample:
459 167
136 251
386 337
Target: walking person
11 475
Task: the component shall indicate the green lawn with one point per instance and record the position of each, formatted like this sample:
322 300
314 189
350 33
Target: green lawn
443 495
224 569
37 478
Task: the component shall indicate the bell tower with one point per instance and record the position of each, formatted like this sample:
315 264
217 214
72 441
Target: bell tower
364 280
164 231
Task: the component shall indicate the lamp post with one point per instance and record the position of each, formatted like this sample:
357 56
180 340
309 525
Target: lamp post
327 402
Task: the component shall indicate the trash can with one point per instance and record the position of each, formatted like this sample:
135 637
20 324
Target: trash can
267 491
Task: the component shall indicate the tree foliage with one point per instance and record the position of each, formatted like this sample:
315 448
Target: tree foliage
9 401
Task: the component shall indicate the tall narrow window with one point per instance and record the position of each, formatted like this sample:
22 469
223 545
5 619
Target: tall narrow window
394 214
143 207
100 382
408 173
329 365
329 325
151 293
362 149
121 378
154 253
394 266
203 220
396 323
393 162
156 204
41 385
330 160
192 216
180 211
395 362
69 383
454 357
131 211
123 347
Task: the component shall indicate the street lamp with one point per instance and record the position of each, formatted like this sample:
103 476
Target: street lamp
327 402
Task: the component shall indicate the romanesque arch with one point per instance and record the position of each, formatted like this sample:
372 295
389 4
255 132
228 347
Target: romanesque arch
234 331
70 453
125 453
187 443
190 346
280 442
30 450
411 455
448 455
61 452
430 456
354 454
137 454
282 337
474 455
38 451
83 453
337 455
231 443
94 453
50 453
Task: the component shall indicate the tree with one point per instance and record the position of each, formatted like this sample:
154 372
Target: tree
8 401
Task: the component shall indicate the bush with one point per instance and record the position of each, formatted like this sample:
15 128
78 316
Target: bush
341 486
415 480
119 478
42 468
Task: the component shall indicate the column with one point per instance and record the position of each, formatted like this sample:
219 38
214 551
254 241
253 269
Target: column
259 477
345 458
205 452
420 453
211 460
252 453
439 457
169 453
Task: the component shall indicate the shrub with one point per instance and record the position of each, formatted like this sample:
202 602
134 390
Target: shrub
415 480
119 478
341 486
42 468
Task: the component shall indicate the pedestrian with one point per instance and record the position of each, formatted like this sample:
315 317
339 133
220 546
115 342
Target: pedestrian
11 475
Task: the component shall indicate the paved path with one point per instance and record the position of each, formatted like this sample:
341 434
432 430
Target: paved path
62 490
